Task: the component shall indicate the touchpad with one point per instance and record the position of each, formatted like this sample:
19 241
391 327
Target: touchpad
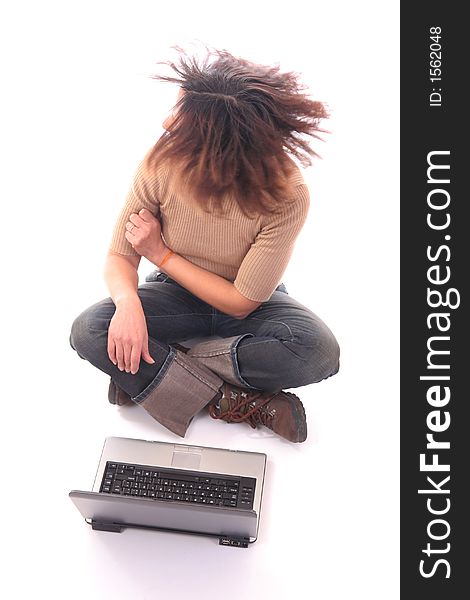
187 460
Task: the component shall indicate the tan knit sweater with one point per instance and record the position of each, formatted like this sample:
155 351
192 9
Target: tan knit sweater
251 252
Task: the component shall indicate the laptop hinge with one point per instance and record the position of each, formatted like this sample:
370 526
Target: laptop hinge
103 526
235 542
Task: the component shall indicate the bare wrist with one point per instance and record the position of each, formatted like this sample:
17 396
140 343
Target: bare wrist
127 299
160 255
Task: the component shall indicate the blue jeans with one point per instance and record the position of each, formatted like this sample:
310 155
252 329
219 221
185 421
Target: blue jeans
282 344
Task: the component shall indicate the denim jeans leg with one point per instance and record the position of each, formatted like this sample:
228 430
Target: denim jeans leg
181 389
89 338
175 387
220 356
283 345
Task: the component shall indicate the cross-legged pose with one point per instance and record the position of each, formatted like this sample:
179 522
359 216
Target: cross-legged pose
216 204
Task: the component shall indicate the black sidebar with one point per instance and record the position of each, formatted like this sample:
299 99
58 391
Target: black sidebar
435 257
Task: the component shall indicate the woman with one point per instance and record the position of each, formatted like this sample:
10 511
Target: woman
216 205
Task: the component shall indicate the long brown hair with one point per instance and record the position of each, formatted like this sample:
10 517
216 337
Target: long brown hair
232 129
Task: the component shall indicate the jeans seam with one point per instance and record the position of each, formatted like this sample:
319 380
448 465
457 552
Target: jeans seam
210 354
269 341
157 379
273 321
233 356
195 374
100 330
213 321
191 314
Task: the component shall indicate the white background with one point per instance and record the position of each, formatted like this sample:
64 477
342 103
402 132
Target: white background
78 113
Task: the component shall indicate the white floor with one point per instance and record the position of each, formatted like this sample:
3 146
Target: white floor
329 525
79 114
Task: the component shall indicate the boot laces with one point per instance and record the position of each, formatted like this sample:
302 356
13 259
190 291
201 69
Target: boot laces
249 408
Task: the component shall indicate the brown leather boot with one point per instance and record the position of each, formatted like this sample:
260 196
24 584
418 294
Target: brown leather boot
282 412
116 395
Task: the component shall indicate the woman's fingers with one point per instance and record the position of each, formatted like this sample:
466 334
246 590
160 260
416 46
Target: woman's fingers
127 356
128 339
127 350
146 354
136 220
120 357
134 359
146 215
112 350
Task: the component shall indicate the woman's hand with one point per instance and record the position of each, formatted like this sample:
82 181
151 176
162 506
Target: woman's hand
144 233
128 336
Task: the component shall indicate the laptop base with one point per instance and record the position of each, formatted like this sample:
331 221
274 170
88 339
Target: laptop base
232 541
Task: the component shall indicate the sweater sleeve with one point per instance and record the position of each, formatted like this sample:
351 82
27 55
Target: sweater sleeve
265 262
144 193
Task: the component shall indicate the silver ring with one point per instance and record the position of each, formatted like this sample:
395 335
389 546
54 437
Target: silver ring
132 227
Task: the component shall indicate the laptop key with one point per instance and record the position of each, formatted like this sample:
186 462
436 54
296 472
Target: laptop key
181 477
227 496
183 486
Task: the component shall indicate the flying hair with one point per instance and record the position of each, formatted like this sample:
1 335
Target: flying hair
233 129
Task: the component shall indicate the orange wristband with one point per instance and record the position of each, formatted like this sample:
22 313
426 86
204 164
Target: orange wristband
165 258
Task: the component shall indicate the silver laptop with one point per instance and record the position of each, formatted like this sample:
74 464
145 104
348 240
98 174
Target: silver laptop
175 487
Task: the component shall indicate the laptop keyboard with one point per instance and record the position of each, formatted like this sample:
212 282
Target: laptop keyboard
177 485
